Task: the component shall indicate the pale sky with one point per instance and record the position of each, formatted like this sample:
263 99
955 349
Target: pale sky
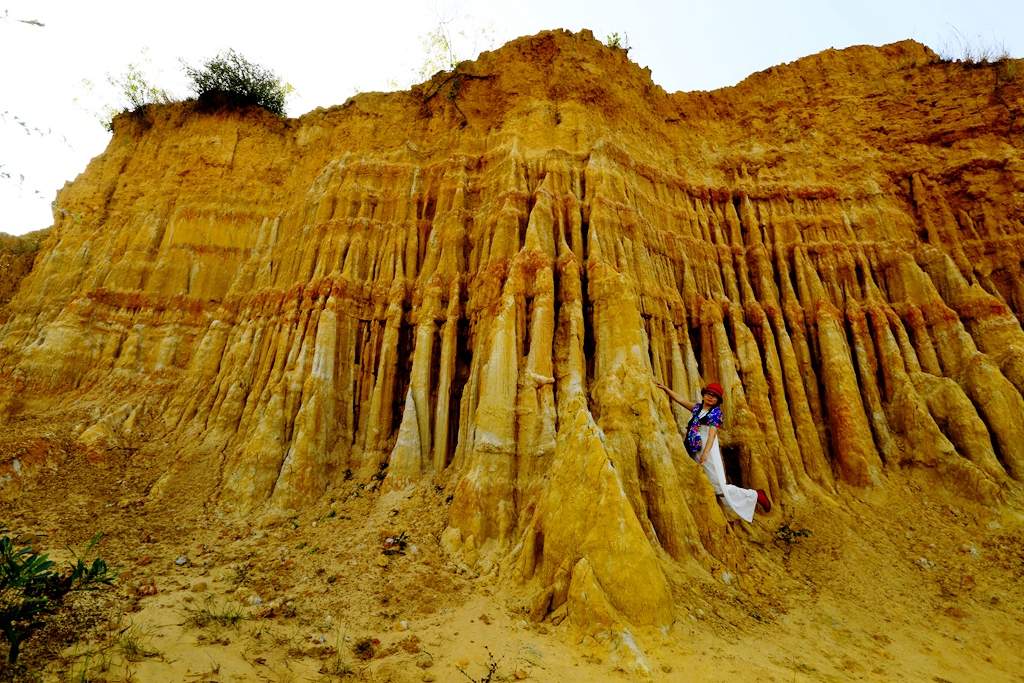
330 50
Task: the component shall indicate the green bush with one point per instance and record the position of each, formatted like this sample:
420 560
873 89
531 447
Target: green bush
618 41
231 79
32 589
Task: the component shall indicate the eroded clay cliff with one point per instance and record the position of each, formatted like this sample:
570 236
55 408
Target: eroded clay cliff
17 254
475 284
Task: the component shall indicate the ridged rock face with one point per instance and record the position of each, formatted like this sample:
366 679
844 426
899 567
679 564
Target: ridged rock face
17 253
477 282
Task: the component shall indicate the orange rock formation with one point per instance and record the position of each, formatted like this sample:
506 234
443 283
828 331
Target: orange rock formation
17 255
476 283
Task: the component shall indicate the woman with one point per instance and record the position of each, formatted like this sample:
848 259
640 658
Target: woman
702 444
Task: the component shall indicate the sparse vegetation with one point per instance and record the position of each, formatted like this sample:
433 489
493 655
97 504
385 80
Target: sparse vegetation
226 80
337 666
214 613
130 92
91 666
973 52
492 670
1006 71
212 674
447 45
240 574
439 53
136 90
619 41
134 644
33 590
231 80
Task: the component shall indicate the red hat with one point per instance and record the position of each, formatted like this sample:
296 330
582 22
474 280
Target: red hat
715 389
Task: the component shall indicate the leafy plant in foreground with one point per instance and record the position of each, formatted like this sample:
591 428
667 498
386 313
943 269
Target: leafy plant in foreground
32 588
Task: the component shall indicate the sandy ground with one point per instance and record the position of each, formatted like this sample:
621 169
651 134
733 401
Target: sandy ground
898 583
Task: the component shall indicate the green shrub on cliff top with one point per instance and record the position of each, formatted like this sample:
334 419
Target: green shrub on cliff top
134 91
231 79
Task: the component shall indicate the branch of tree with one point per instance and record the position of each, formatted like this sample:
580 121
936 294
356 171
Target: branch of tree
459 75
454 79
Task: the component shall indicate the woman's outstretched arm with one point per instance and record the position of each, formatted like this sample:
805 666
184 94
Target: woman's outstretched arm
675 397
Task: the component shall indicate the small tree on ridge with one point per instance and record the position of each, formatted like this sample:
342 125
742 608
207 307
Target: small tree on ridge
231 79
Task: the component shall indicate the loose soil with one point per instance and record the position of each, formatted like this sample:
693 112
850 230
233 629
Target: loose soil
867 590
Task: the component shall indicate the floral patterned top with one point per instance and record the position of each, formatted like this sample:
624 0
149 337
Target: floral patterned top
712 418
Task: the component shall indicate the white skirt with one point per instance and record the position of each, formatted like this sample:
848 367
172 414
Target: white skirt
739 500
